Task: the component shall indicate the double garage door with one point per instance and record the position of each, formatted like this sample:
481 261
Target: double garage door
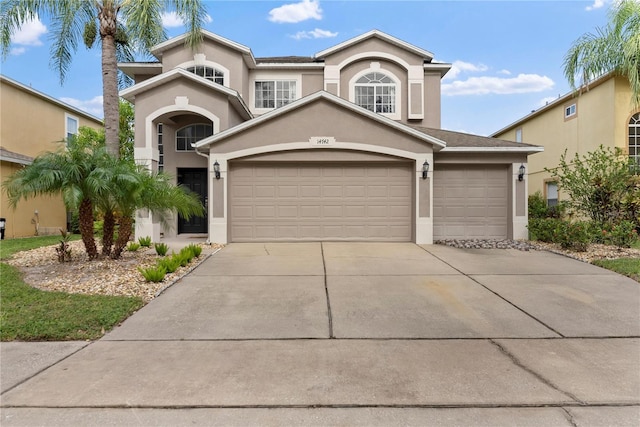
316 201
470 202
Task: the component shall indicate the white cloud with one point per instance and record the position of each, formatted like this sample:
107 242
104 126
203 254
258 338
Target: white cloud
173 20
91 106
505 72
296 12
17 51
315 34
597 4
29 34
523 83
464 67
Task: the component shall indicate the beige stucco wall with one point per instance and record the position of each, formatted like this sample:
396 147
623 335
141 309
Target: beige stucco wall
32 124
225 56
373 44
302 124
602 115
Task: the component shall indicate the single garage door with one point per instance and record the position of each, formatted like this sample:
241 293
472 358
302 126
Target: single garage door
470 202
305 201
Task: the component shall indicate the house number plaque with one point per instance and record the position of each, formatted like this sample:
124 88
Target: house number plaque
322 141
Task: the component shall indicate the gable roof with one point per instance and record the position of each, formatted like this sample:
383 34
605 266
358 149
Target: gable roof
234 97
158 49
322 95
50 99
428 56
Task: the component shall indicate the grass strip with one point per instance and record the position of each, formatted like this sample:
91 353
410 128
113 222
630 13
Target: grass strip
29 314
629 267
11 246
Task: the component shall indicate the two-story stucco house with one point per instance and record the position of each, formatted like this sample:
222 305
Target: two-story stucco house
32 123
601 114
344 145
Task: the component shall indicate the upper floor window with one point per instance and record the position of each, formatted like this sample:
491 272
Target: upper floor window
274 93
70 125
209 73
191 134
634 139
376 92
519 135
570 111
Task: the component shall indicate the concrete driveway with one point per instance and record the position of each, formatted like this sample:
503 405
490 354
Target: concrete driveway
357 334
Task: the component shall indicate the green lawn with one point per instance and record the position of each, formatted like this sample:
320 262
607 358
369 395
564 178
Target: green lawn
29 314
627 266
10 246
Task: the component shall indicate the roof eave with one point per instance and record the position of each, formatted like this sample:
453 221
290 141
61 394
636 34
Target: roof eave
523 150
375 33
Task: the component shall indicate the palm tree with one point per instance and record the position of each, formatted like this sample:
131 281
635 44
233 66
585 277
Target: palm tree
615 48
123 27
148 190
76 171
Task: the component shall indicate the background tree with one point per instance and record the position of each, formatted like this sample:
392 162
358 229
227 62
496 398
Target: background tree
615 48
75 171
600 185
120 27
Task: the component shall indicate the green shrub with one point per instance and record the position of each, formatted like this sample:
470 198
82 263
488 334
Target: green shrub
133 246
98 227
622 234
544 229
573 235
170 264
153 274
145 241
196 250
161 248
537 206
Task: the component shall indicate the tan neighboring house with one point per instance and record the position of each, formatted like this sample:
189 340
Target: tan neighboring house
342 145
601 114
32 123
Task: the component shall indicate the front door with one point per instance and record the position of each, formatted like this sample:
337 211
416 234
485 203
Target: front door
195 179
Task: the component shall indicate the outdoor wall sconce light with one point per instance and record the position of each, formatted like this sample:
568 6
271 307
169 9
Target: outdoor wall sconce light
521 172
425 169
216 169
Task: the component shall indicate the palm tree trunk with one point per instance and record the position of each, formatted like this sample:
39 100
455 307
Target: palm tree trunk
124 233
85 219
108 27
108 229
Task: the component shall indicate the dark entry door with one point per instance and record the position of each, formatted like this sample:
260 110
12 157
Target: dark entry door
196 181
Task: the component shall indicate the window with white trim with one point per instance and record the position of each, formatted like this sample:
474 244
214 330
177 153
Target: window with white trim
191 134
70 125
570 111
376 92
160 148
552 194
209 73
274 93
519 135
634 139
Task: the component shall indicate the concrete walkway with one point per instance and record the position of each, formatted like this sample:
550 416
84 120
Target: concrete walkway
352 334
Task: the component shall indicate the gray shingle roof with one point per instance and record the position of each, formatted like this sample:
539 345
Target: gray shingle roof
287 60
459 139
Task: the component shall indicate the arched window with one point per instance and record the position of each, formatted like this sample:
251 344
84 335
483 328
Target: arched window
209 73
634 139
376 92
191 134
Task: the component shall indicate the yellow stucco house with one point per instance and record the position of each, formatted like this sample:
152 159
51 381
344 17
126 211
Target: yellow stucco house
31 123
602 114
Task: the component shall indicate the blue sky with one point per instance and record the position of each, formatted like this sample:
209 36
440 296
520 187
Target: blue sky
507 55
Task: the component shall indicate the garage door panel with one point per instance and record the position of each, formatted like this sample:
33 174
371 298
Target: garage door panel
470 202
321 202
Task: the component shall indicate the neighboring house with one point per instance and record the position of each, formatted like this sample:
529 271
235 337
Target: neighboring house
32 123
601 114
330 147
